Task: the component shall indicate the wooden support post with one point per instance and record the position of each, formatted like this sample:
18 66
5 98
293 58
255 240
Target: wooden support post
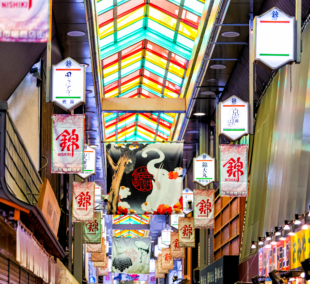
16 214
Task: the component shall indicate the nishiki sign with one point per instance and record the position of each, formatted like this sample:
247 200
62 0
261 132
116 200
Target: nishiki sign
234 170
204 208
67 143
69 81
24 20
234 114
186 232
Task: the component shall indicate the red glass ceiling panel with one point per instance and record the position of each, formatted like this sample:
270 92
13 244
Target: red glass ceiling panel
172 87
105 18
125 116
148 94
178 60
152 77
126 127
131 94
166 7
148 115
147 128
129 7
131 77
132 50
110 60
111 123
110 87
111 135
162 52
190 19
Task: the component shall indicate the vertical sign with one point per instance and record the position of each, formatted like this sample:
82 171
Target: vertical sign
174 220
24 20
204 208
187 200
203 169
92 230
186 232
69 84
176 251
67 143
234 118
167 260
274 38
165 237
234 170
89 162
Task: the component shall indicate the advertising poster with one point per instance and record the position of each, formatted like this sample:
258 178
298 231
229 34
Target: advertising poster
176 251
186 232
24 20
83 199
67 143
204 208
149 178
92 230
131 255
166 259
233 170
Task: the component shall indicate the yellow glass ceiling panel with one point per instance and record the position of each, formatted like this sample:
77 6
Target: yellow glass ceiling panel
188 31
162 18
176 70
110 70
130 18
156 59
152 85
130 85
112 94
128 133
146 133
131 59
170 94
106 30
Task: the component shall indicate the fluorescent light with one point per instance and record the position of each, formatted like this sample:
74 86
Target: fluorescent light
199 113
230 34
84 64
93 146
212 80
268 246
217 66
192 131
207 93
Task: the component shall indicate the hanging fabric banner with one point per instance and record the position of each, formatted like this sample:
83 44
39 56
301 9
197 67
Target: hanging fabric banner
92 230
204 208
97 247
99 264
186 232
131 255
160 267
234 170
83 198
157 274
152 278
144 178
108 279
101 256
176 251
67 143
166 259
103 270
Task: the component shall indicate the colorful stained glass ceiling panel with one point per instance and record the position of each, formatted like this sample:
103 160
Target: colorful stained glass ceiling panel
145 47
130 233
131 219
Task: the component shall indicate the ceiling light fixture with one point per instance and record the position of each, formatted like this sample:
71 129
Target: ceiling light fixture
287 227
199 113
268 236
304 227
75 33
84 64
253 246
260 241
192 131
212 80
218 66
298 219
207 93
230 34
277 231
303 275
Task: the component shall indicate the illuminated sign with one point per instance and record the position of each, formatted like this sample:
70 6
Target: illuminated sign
274 38
203 169
69 81
89 162
234 118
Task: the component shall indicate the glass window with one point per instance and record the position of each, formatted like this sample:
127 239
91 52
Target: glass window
130 18
162 17
155 59
106 30
160 29
132 59
131 94
111 78
128 7
105 18
104 5
130 29
132 49
188 31
191 18
194 5
156 49
152 85
112 94
176 70
110 87
130 77
174 78
170 94
185 41
106 40
173 87
109 70
130 68
155 68
167 6
178 60
110 60
148 94
130 85
153 77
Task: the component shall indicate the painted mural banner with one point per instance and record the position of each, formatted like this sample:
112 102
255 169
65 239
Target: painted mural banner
83 200
166 259
67 143
131 255
186 232
24 20
92 230
275 256
144 178
233 170
157 274
160 268
176 251
204 208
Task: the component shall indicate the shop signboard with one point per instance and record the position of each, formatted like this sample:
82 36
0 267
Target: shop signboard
165 237
174 220
274 38
69 84
25 20
186 232
187 200
234 118
203 169
89 162
300 248
233 170
204 208
176 251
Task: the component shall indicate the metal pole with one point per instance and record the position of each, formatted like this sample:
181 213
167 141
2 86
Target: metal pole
298 29
251 79
49 55
70 224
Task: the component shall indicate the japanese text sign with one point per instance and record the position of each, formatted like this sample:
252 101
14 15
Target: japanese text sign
274 257
83 201
300 248
67 143
204 208
92 230
166 259
24 20
160 267
157 273
274 38
234 170
204 169
187 200
174 220
176 251
234 118
165 237
186 232
69 81
89 162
